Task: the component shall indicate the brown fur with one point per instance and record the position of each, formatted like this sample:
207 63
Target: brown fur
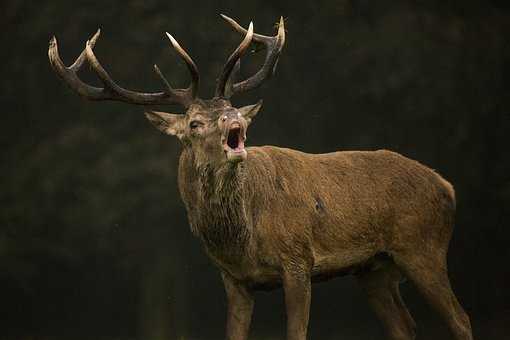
287 218
271 217
328 212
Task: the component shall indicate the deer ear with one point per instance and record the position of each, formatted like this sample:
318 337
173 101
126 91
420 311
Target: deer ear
250 111
169 123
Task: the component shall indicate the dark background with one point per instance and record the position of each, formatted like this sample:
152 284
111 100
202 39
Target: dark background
94 242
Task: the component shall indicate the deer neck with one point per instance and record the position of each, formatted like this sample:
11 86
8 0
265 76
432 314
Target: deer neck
220 216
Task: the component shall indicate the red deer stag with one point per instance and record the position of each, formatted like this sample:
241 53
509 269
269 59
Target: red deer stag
273 217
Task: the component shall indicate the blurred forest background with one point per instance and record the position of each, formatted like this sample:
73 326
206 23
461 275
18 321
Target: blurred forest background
94 242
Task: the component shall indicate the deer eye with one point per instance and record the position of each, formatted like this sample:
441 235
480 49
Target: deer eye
194 124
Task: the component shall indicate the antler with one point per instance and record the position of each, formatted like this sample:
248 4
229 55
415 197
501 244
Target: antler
112 91
273 46
232 61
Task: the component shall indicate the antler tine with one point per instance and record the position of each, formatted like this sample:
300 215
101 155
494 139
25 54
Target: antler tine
195 75
169 88
273 46
83 55
256 37
111 90
231 62
68 74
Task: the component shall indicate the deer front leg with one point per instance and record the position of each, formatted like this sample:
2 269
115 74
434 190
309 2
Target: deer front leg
297 289
240 309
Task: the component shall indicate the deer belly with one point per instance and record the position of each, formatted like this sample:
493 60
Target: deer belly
253 274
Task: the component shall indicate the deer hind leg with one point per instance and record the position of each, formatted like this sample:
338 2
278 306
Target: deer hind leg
429 275
404 312
382 289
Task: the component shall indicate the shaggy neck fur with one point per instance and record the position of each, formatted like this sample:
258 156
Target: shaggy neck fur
220 202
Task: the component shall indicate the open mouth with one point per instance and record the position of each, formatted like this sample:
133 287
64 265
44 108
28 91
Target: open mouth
234 142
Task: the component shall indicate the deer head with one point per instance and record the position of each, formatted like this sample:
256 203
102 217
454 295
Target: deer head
213 129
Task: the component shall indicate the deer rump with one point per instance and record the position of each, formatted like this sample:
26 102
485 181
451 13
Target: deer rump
338 213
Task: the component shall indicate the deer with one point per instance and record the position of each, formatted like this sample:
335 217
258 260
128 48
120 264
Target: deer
271 217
